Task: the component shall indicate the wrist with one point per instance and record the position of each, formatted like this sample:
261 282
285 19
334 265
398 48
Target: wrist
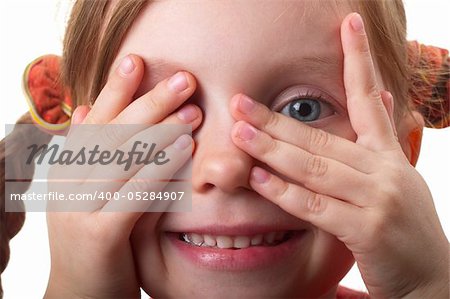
57 289
437 291
437 288
55 292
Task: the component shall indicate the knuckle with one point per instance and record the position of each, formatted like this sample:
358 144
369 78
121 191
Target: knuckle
272 121
316 203
386 196
111 136
319 139
363 45
382 198
392 172
270 148
151 104
316 166
373 92
376 226
136 185
281 192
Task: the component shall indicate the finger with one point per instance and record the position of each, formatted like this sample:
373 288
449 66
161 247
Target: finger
141 149
310 139
118 91
112 140
112 136
322 211
388 102
128 212
162 100
367 114
110 181
79 114
188 114
319 174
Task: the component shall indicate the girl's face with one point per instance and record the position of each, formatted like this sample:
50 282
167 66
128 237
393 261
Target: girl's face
275 52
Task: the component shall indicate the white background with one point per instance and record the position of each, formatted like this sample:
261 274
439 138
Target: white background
30 28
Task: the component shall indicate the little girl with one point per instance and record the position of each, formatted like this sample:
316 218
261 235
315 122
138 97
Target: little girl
307 119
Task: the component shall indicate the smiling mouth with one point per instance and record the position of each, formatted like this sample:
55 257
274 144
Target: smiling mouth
236 242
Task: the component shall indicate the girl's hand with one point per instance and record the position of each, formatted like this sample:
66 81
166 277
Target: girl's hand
365 193
91 256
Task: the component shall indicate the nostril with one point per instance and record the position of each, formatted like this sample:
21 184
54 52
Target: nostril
208 186
222 166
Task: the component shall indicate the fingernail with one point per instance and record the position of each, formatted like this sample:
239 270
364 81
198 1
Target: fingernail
247 132
127 66
357 23
74 118
390 97
386 95
187 114
178 82
259 175
183 142
78 116
246 105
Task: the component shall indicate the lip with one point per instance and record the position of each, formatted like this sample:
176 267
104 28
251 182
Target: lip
246 259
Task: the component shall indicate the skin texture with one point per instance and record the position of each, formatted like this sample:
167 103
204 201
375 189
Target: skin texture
290 174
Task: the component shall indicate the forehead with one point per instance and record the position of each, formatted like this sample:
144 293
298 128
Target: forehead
202 35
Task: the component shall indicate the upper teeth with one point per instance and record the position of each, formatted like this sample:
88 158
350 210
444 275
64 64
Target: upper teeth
233 241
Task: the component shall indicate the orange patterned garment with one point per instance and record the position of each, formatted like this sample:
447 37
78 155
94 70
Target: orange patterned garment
431 83
49 102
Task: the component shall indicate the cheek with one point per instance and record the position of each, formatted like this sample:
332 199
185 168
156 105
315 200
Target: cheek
148 256
330 259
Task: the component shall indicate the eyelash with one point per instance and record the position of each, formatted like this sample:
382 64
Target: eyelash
299 95
308 95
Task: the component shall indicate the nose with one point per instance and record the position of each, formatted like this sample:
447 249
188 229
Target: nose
217 162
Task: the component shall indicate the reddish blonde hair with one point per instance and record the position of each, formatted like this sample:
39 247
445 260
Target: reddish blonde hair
88 56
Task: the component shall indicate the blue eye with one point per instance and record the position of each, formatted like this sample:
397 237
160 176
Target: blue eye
307 109
303 110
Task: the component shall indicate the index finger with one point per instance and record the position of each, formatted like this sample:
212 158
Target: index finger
368 116
118 91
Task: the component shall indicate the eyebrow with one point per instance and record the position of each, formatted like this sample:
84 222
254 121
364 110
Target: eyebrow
326 67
